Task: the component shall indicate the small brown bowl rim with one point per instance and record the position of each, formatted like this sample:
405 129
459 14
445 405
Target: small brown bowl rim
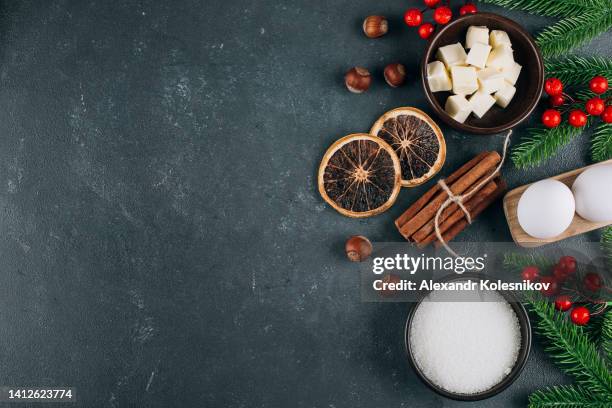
476 129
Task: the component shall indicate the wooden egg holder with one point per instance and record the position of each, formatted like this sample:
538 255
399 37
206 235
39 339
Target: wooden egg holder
578 226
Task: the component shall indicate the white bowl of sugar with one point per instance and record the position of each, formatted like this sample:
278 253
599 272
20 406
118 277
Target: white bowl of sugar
468 345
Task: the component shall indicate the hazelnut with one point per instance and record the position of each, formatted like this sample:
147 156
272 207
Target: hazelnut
358 248
395 74
390 278
375 26
357 79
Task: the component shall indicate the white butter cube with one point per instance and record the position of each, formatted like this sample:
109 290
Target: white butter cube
499 37
437 77
480 103
490 80
505 95
501 57
452 55
476 34
464 80
458 107
511 74
478 55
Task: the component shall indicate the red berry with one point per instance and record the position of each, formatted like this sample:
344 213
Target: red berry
560 273
431 3
595 106
426 30
592 281
568 264
557 100
577 118
606 116
468 8
553 86
551 118
530 273
443 15
598 84
563 303
413 17
580 315
553 287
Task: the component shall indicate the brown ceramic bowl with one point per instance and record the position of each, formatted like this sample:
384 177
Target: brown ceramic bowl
528 87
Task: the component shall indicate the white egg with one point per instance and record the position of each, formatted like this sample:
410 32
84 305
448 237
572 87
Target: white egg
593 193
546 209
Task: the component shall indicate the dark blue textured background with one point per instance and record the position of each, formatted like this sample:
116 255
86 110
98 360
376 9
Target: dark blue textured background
162 239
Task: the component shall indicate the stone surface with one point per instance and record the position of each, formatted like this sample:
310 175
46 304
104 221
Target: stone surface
163 242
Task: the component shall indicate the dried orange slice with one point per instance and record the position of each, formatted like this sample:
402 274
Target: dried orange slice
416 139
359 175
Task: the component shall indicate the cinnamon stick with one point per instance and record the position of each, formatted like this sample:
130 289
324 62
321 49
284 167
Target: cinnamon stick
454 214
425 198
462 223
488 162
489 189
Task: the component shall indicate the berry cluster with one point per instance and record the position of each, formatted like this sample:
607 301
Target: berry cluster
564 278
442 14
595 106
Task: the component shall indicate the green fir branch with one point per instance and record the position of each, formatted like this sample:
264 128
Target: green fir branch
606 245
584 95
552 8
601 147
606 236
566 396
571 349
574 70
515 262
594 330
542 143
574 31
606 337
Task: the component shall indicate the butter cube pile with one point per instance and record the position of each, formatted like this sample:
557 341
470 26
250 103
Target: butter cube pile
480 78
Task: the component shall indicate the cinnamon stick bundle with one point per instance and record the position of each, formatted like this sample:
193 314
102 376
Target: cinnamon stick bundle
417 222
421 202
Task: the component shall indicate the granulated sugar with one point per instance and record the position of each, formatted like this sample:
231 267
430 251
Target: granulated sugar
465 347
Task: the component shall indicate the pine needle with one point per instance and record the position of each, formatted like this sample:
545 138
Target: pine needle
541 144
606 336
571 349
553 8
515 262
606 236
574 31
575 70
606 245
566 396
601 147
594 330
